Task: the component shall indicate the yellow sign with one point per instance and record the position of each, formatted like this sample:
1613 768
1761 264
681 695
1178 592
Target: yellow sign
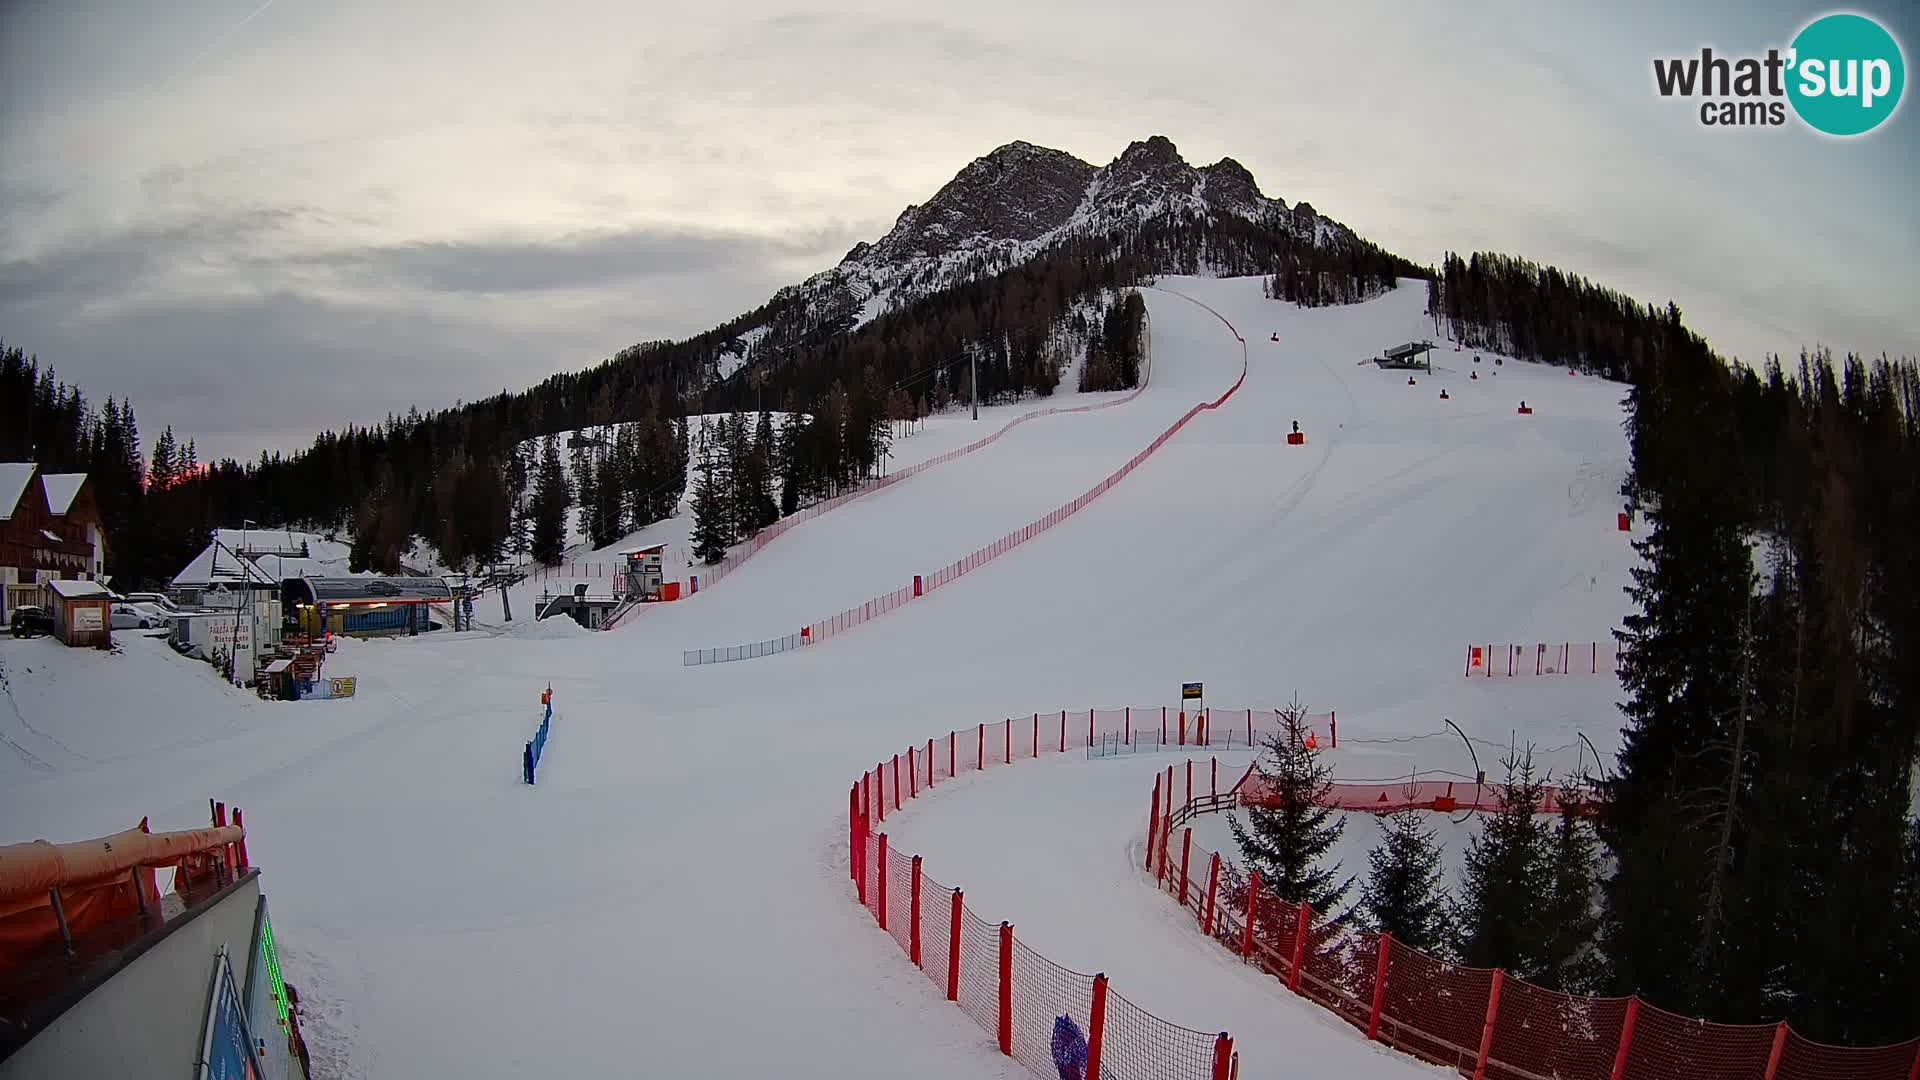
340 687
1189 691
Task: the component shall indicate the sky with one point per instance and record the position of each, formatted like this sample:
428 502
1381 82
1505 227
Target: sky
260 220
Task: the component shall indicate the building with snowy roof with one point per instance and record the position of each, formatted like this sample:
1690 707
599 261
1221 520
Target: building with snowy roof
49 528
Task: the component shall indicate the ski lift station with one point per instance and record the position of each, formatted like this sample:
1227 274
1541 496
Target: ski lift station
364 606
1414 355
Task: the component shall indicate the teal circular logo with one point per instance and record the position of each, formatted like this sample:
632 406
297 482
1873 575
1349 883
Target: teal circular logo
1847 74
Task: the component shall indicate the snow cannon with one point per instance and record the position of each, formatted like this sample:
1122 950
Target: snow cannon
1525 410
1443 394
1296 437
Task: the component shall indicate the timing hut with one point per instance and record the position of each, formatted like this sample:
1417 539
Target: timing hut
363 606
644 575
1414 355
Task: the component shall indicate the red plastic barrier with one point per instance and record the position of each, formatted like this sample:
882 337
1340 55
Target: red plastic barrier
1012 992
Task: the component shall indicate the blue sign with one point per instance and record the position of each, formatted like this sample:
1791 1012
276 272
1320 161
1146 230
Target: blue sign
227 1053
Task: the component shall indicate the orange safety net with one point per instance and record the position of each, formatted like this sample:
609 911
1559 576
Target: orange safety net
1439 1011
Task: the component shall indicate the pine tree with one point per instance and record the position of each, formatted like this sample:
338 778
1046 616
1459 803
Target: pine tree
551 500
586 485
609 497
709 536
739 464
1403 894
160 474
763 440
1567 916
1288 833
1682 659
1503 878
793 463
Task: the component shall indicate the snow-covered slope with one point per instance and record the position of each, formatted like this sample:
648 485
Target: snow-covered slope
672 897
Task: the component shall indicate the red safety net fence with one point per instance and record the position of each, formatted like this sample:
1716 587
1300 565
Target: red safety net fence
1479 1021
819 631
709 576
1017 996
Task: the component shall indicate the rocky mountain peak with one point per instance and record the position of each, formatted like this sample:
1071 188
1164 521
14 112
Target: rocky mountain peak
1018 192
1013 203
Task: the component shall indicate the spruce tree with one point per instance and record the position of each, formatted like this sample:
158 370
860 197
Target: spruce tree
709 537
793 477
586 486
1286 836
1568 920
609 498
1501 883
1681 666
551 499
162 469
1403 893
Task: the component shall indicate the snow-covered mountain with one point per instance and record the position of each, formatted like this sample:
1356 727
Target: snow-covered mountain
1010 206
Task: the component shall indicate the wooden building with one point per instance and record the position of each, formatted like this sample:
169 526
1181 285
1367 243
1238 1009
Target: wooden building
49 528
82 614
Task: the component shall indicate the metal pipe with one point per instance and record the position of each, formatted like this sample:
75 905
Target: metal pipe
60 916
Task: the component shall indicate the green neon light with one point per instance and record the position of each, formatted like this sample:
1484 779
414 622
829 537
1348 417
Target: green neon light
272 955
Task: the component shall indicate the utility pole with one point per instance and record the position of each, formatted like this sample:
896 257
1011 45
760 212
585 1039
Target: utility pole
973 373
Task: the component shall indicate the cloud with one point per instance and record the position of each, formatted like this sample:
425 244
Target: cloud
241 349
574 262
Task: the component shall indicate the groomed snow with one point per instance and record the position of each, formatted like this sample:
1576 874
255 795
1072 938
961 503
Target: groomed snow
672 898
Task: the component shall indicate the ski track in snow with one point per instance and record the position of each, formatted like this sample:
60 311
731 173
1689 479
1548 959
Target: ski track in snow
671 899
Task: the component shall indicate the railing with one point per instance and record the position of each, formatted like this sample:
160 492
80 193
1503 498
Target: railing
1052 1020
816 632
1480 1021
1543 658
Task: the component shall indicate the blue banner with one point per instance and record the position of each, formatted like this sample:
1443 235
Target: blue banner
530 758
227 1053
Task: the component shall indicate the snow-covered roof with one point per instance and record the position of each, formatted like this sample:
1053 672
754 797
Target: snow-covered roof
254 539
14 478
68 589
219 563
61 488
281 567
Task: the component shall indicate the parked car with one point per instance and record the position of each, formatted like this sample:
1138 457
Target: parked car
130 617
160 615
29 620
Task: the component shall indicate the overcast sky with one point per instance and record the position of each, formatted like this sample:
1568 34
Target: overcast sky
258 221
